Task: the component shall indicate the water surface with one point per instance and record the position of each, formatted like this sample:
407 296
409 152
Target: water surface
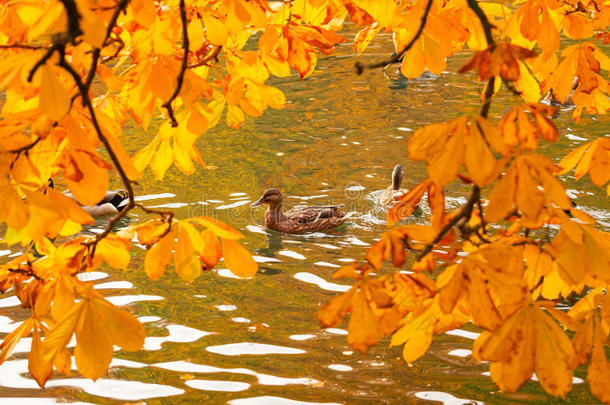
257 341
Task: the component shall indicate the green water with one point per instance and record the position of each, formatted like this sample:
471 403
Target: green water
336 141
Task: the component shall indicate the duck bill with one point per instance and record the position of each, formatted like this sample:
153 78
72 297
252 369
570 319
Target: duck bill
257 203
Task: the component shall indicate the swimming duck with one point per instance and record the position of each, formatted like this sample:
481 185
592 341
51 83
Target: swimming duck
393 192
299 219
111 204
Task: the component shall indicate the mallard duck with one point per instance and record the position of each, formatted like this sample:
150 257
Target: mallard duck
299 219
393 192
112 202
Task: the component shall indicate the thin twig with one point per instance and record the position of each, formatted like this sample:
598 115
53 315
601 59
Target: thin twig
121 5
204 61
22 46
465 212
185 45
397 57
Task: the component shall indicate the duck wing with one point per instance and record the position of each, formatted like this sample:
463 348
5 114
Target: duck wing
305 215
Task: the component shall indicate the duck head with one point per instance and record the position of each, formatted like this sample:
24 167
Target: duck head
397 177
271 196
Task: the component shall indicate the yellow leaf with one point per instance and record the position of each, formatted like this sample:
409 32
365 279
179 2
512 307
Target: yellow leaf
186 262
221 229
123 328
9 342
416 335
238 259
195 32
93 351
158 257
554 354
480 163
363 330
215 31
211 252
40 368
334 311
235 117
59 335
162 160
598 373
115 251
54 99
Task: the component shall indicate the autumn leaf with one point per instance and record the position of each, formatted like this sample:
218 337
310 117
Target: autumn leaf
501 59
238 259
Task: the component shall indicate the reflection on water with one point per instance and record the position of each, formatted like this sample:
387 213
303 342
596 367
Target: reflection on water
257 341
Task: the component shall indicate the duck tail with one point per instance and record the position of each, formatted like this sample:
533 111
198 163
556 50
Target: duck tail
120 199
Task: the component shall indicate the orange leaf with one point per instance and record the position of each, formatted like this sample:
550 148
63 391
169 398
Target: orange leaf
238 259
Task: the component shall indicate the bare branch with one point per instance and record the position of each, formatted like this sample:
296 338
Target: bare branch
185 45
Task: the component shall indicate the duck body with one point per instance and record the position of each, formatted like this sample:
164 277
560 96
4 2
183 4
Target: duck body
391 194
111 204
298 220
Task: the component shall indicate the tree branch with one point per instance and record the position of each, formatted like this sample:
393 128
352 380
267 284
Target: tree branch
185 45
397 57
466 212
121 5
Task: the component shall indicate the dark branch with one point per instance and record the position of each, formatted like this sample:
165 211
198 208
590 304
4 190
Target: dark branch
487 26
465 213
397 57
121 5
185 45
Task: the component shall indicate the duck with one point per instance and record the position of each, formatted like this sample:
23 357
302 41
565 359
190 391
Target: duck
111 204
391 194
298 220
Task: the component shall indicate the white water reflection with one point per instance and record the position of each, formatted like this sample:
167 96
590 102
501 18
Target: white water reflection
228 274
120 300
460 352
114 285
249 348
226 307
153 196
12 377
290 253
269 400
233 205
301 337
445 398
177 334
340 367
92 276
326 264
11 301
265 259
215 385
320 282
463 333
263 379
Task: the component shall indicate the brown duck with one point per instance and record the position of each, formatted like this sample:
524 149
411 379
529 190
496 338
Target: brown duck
393 192
299 219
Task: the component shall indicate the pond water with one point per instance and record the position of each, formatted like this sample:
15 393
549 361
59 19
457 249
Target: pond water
245 342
